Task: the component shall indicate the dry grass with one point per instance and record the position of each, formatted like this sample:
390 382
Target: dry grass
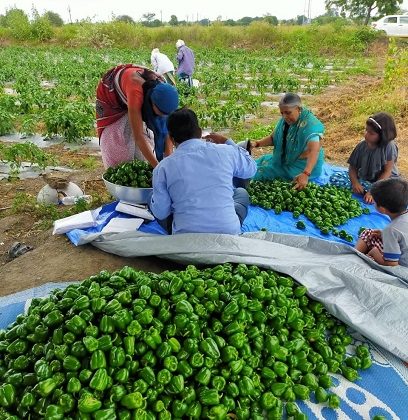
345 109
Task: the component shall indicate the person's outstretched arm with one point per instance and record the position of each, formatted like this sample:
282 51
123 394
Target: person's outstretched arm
312 153
136 123
266 141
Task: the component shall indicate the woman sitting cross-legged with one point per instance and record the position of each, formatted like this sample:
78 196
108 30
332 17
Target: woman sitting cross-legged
298 154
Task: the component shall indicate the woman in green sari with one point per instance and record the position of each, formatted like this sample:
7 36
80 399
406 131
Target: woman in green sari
298 154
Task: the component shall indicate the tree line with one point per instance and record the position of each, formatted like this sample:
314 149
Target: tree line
359 11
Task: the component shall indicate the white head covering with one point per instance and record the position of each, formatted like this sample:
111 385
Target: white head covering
180 43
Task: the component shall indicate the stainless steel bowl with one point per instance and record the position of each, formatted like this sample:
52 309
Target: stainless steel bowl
129 194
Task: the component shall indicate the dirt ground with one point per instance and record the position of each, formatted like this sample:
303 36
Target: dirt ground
54 258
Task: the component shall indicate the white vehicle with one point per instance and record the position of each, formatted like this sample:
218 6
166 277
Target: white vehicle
393 25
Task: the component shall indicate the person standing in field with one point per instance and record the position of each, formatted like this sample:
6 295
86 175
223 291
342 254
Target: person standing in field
162 65
132 105
186 61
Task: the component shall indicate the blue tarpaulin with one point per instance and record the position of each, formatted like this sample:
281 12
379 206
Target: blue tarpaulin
353 289
382 389
257 219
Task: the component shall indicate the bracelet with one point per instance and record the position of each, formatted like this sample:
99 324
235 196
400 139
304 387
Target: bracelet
306 172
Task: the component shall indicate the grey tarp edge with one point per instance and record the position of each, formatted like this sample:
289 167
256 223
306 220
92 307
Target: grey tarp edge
364 295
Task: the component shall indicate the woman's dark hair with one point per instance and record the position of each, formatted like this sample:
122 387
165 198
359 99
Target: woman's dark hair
391 193
183 125
383 124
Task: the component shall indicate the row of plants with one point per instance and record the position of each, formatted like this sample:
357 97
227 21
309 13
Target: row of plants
52 90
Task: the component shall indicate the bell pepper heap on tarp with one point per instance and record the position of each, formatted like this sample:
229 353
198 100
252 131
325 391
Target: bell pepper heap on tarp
196 343
326 206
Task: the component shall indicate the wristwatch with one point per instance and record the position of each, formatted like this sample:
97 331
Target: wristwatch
306 172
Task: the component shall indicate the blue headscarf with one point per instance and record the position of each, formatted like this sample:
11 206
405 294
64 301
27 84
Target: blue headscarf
165 97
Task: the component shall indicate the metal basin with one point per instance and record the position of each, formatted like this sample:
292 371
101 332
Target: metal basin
129 194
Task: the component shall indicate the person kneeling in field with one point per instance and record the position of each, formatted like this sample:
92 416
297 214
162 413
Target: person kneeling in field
193 188
390 245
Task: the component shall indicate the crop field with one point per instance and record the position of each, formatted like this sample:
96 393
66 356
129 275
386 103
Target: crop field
343 76
51 91
229 341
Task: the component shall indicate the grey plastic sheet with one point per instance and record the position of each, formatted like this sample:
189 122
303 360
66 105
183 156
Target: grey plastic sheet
370 298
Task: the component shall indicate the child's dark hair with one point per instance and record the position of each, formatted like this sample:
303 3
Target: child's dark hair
391 193
183 125
383 124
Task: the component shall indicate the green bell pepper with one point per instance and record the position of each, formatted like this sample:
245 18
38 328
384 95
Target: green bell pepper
209 396
88 403
104 343
98 360
7 395
71 363
73 385
117 357
99 380
133 401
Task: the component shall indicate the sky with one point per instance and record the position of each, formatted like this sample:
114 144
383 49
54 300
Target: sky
102 10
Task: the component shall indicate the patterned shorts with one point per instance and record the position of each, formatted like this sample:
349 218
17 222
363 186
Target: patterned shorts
342 179
371 240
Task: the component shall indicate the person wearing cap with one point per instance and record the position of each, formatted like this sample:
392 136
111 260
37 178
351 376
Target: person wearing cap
185 60
162 65
298 154
193 188
132 105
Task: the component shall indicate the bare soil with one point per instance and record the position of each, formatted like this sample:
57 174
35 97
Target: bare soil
54 258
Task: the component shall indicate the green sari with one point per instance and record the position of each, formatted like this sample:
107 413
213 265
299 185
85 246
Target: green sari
274 165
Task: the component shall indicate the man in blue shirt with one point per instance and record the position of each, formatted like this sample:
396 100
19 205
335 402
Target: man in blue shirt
194 185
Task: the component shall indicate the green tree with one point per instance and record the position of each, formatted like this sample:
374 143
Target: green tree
41 28
230 22
124 18
272 20
54 18
246 20
173 20
155 23
364 9
330 16
18 22
301 20
288 22
147 18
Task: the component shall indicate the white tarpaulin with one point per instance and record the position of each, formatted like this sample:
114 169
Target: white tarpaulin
364 295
